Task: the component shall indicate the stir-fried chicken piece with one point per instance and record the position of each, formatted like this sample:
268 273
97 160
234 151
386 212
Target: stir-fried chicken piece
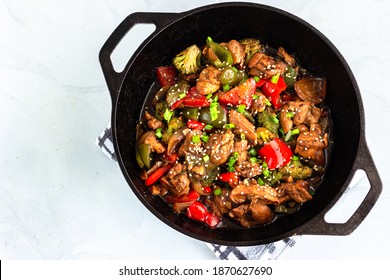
285 122
191 148
237 51
258 104
304 113
208 81
248 169
297 191
221 204
253 214
243 125
265 66
289 59
153 123
311 145
241 147
243 192
150 138
220 146
176 181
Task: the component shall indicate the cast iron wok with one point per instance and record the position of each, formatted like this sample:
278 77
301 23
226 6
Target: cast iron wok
176 31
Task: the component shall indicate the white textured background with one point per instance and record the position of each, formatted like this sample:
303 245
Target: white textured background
61 198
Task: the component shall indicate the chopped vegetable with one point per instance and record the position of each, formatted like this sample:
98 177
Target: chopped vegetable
157 175
198 211
215 115
166 75
195 124
229 177
217 55
276 153
266 119
241 94
189 60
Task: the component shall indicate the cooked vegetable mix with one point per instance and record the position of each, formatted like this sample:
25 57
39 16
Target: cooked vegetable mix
237 131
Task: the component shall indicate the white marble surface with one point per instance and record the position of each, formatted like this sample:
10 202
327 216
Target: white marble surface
61 198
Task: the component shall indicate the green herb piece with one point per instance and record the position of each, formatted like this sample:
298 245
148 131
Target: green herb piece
205 138
206 158
295 131
168 115
275 119
217 191
158 133
195 139
260 182
253 159
214 110
226 87
256 78
241 108
252 151
275 78
288 136
182 95
255 96
289 114
208 127
266 173
267 102
229 126
295 158
281 131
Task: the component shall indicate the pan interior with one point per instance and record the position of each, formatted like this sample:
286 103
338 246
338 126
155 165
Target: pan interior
275 28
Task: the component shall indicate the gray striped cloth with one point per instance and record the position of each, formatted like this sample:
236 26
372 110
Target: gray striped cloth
271 251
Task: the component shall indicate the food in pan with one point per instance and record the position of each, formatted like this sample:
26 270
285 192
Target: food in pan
238 131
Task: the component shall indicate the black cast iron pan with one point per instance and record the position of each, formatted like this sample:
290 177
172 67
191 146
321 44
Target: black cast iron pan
174 32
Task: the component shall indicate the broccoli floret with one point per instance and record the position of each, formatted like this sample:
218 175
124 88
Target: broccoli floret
251 46
188 61
269 121
264 134
160 109
296 170
273 177
174 125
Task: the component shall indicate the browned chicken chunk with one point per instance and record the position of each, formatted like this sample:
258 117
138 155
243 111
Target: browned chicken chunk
242 125
297 191
208 81
265 66
220 146
176 181
237 52
243 192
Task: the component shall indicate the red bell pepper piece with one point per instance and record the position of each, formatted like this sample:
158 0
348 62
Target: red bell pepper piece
276 153
191 196
197 211
260 82
229 177
171 158
192 99
154 177
241 94
273 90
207 189
193 124
166 75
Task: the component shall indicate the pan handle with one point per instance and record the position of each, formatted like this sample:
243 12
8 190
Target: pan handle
319 226
114 79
